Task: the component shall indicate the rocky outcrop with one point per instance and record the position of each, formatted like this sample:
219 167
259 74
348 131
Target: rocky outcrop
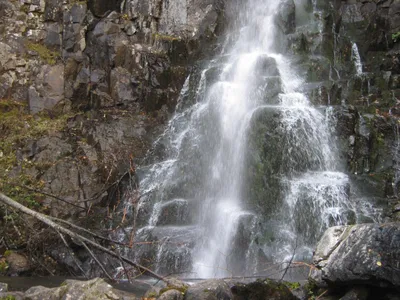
357 79
262 290
101 78
70 52
209 289
205 290
72 289
361 254
17 264
3 287
130 58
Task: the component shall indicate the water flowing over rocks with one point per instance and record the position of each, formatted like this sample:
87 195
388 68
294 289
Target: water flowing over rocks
138 84
111 72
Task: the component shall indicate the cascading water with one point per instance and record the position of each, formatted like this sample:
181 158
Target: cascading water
356 59
197 212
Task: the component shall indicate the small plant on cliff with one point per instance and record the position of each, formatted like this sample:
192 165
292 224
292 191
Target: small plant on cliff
17 127
8 297
168 38
3 266
49 56
396 37
292 285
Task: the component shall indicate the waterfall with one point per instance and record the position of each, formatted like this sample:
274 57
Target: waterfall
356 59
396 156
199 212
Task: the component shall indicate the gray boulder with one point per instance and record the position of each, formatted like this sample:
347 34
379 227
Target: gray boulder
360 254
17 264
262 290
171 295
3 287
287 17
95 289
356 293
213 289
48 89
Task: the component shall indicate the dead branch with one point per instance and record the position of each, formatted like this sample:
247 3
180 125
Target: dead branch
97 261
62 230
290 262
71 252
50 195
85 231
320 296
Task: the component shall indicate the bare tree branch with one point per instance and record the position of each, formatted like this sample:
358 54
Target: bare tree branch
85 231
96 260
290 262
71 252
50 195
62 230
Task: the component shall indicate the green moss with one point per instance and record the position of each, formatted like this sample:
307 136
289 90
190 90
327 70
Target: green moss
311 289
3 266
49 56
396 36
8 297
163 37
7 253
16 127
152 295
24 8
292 285
79 2
182 289
125 17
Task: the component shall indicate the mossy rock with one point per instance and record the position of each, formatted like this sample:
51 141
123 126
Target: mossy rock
47 55
263 289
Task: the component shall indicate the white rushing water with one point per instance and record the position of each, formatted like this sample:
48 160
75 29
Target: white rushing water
356 59
193 193
234 100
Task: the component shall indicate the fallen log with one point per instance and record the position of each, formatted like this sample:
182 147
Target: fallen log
62 230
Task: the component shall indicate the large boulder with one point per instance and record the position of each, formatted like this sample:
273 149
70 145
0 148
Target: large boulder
48 89
360 254
262 289
3 287
17 263
212 289
95 289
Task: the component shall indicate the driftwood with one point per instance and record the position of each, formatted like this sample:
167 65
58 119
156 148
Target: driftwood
51 222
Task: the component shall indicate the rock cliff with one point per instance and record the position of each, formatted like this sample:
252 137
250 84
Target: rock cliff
85 86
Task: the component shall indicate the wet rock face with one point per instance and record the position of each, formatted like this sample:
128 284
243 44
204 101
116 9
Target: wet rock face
287 17
358 76
363 254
